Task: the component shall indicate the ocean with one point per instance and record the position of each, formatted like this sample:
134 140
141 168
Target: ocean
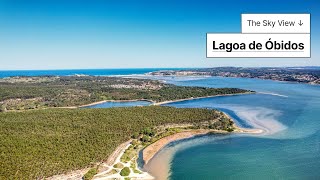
92 72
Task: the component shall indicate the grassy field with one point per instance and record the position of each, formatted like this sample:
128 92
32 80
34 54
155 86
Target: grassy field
40 143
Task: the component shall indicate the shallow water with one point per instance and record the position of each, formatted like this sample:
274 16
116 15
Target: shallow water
290 149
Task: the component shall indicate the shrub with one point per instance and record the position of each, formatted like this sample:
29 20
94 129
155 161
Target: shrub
118 165
148 131
135 135
125 171
145 138
89 175
230 129
134 143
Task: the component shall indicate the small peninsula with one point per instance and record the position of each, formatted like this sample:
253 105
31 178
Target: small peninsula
41 92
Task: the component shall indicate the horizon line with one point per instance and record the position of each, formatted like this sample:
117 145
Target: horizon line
157 68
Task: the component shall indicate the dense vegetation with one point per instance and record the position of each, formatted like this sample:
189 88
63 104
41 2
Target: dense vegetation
36 144
22 93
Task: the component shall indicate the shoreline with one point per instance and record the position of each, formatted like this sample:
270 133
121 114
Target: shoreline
159 167
208 76
151 101
202 97
150 151
101 102
104 101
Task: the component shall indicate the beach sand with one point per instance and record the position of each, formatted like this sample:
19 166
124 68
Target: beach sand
194 98
152 149
160 167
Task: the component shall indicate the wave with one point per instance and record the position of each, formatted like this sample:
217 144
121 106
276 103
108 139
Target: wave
273 94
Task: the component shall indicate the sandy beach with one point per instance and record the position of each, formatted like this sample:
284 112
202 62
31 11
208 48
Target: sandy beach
100 102
193 98
160 167
150 151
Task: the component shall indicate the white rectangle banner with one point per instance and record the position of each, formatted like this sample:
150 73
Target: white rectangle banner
258 45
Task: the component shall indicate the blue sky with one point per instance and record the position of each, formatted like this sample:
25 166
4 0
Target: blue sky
79 34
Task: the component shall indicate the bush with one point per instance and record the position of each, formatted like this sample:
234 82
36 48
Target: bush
125 171
145 138
89 175
134 143
118 165
148 131
2 108
135 135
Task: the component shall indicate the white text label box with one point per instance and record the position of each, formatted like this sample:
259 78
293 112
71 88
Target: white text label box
258 45
275 23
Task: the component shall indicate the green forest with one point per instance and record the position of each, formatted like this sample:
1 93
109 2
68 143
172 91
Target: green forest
41 143
24 93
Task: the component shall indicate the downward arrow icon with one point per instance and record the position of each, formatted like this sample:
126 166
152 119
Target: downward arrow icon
300 23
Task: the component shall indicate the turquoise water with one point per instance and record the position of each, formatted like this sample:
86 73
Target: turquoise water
289 113
120 104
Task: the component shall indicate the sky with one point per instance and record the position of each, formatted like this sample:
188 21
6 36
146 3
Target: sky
85 34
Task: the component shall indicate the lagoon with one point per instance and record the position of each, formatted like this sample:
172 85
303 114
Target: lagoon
289 113
110 104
